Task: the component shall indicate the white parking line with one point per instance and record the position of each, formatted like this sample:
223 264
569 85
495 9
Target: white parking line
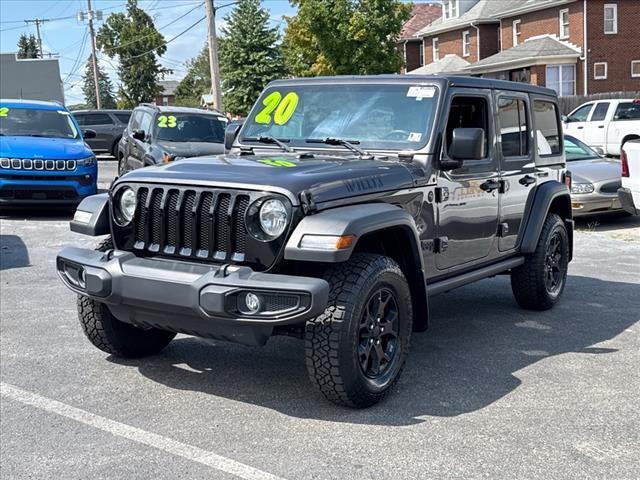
160 442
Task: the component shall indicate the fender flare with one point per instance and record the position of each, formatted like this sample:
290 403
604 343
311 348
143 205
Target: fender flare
92 216
545 195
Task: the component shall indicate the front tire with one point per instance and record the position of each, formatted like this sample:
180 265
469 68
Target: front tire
111 335
539 283
356 349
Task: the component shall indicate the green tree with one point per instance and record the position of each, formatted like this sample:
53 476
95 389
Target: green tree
107 98
249 56
344 37
27 46
196 82
133 38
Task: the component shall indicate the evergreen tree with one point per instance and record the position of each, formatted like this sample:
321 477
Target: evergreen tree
344 37
107 98
196 82
249 56
28 46
133 38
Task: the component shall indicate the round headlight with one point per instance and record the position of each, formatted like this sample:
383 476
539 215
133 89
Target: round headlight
127 204
273 217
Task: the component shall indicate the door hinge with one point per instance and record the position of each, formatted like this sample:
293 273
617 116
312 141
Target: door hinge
442 194
503 229
441 244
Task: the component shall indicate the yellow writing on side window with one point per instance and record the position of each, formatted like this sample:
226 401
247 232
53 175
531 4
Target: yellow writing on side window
4 111
282 108
165 121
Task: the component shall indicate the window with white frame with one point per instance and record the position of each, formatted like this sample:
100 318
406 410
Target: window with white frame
516 31
466 43
610 18
635 68
564 23
562 79
450 8
600 71
435 43
421 53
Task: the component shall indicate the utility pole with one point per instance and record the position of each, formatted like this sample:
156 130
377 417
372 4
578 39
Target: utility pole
94 60
213 54
38 22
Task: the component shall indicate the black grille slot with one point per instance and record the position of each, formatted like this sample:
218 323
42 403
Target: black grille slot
611 187
192 222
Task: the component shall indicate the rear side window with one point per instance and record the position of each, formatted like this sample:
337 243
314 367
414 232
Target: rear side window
514 129
600 111
545 117
123 117
98 119
80 119
627 111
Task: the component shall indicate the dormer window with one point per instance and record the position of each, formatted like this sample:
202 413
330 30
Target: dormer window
450 8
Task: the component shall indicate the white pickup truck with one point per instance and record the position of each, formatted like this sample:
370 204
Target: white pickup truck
605 125
629 193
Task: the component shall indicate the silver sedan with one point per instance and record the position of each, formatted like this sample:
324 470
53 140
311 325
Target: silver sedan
595 179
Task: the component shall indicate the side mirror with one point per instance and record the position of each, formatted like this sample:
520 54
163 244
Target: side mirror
139 135
565 119
467 144
231 133
88 133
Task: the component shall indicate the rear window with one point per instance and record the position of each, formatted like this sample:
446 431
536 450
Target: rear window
627 111
546 119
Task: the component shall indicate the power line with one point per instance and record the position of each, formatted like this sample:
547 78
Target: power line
170 40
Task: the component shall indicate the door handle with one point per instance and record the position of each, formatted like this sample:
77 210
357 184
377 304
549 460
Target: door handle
600 126
527 180
580 128
490 185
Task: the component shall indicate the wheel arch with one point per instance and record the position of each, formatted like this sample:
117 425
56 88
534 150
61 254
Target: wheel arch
628 138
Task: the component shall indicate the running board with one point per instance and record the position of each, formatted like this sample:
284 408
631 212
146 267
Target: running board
469 277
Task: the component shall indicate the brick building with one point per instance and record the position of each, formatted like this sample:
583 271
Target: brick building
573 46
422 14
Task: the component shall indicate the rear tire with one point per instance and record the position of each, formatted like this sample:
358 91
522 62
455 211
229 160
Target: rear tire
356 349
111 335
539 283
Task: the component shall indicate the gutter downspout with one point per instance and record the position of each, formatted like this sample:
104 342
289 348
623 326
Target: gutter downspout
584 53
477 41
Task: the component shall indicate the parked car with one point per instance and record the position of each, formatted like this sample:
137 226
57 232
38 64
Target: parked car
43 156
595 179
605 125
629 192
160 134
342 205
108 125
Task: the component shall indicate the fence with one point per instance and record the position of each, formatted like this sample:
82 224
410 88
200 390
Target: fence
567 104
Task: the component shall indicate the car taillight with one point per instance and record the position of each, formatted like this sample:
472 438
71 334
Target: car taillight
567 179
625 163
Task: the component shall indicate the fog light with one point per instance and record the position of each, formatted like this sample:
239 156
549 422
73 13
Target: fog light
253 303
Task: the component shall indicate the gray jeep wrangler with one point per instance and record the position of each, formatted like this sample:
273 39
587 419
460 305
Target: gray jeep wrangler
341 206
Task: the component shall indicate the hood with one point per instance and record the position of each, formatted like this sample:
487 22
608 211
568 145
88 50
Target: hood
191 149
44 147
324 177
595 170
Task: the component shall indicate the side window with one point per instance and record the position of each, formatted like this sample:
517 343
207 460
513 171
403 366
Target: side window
627 111
123 117
135 120
547 128
145 123
98 119
600 112
468 112
80 119
581 114
514 128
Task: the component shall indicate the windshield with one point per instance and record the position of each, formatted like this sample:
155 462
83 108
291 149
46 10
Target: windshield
32 122
190 127
375 116
574 150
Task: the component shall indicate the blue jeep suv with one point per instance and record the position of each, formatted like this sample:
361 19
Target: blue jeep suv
43 156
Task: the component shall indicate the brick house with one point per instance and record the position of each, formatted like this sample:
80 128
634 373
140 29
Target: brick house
168 94
422 14
572 46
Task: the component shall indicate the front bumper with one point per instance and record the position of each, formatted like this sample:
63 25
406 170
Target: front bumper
594 204
24 187
626 200
200 300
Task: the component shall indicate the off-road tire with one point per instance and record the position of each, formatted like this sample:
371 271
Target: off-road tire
113 336
332 338
528 280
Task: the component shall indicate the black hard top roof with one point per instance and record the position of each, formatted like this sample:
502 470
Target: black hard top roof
443 80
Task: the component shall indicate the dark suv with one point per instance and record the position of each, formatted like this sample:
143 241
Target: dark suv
343 204
162 134
108 125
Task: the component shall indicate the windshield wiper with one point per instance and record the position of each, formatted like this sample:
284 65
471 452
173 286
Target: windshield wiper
270 140
349 145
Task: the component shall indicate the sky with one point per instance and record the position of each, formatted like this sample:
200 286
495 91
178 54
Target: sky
66 36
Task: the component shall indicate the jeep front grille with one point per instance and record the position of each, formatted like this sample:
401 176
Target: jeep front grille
184 222
37 164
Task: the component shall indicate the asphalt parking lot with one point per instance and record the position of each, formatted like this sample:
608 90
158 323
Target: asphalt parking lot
489 391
